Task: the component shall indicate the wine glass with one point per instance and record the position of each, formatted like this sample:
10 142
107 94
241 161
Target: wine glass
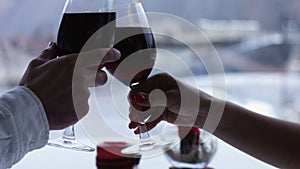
135 41
80 20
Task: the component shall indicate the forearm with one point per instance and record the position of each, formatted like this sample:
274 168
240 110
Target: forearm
273 141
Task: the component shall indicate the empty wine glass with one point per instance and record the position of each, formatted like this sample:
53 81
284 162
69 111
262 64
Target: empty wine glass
80 20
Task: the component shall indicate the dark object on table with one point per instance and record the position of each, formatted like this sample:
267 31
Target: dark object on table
195 150
189 139
109 156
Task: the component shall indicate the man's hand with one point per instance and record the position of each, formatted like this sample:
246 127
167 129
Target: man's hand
50 78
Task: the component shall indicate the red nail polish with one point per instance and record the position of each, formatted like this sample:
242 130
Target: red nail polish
130 125
136 131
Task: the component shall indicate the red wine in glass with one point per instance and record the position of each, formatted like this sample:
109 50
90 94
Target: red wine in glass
138 55
76 28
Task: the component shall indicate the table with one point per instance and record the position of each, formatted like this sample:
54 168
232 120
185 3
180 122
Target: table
226 157
52 158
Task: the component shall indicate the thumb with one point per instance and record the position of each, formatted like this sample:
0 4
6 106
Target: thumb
111 56
50 52
155 98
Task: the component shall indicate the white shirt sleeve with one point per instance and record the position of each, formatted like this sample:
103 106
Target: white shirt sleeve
23 125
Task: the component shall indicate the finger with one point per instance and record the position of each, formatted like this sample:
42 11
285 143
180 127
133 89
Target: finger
134 114
93 80
149 126
166 116
101 78
50 52
132 100
156 98
133 125
160 81
147 116
153 114
139 116
111 56
141 99
98 57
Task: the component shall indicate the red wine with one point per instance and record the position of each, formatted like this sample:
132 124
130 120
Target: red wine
76 28
138 53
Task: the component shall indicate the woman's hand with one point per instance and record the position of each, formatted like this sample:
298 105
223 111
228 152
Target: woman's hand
163 98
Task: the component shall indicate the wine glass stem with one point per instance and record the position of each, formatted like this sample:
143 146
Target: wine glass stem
69 133
143 132
146 143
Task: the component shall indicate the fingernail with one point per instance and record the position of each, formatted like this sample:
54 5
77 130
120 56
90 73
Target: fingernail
50 44
140 98
130 126
137 131
117 53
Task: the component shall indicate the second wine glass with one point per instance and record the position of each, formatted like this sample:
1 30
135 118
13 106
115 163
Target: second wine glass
135 40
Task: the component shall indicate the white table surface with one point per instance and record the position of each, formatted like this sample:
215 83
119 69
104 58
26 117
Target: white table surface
54 158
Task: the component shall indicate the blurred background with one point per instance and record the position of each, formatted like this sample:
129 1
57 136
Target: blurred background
257 41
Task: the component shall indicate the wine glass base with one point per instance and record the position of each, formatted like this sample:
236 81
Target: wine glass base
69 144
148 147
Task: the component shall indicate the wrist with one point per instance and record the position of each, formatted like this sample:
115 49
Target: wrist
210 112
204 106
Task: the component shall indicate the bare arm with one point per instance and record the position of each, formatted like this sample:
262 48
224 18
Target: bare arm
271 140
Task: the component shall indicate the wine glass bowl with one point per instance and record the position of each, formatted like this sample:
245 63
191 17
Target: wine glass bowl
135 41
76 29
80 20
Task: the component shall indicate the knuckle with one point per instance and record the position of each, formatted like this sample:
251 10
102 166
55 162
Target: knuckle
35 62
46 51
68 60
163 74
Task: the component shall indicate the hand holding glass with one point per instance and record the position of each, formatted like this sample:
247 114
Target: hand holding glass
80 20
135 41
